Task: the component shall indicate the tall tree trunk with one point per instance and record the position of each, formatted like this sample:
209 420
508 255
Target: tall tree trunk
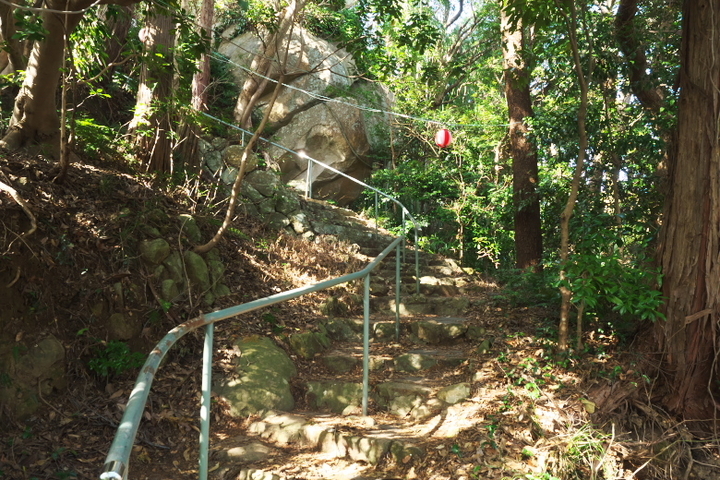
528 229
35 118
151 124
566 214
690 239
13 46
200 83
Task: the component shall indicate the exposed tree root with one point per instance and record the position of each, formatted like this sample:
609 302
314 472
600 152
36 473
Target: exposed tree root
13 193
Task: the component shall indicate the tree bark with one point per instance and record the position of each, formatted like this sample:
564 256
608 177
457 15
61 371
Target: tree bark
690 238
566 214
268 63
201 80
35 119
151 124
528 229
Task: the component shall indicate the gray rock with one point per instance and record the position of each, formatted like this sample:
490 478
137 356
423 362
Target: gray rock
267 207
264 181
345 138
169 290
333 307
255 474
406 454
390 390
414 362
335 397
287 202
229 175
249 192
154 252
341 329
219 143
277 221
475 332
454 393
232 156
190 228
367 449
216 268
197 270
213 161
221 290
261 380
299 222
384 331
41 369
309 344
440 330
174 268
340 363
452 306
247 453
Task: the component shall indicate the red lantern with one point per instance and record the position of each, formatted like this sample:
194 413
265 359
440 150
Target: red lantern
443 138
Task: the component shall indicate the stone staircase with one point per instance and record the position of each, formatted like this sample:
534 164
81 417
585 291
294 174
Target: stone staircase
421 384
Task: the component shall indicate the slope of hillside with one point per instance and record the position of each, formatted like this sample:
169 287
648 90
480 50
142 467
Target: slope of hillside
526 412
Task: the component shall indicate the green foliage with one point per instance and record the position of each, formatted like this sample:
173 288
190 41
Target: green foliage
114 359
528 287
28 25
601 272
96 139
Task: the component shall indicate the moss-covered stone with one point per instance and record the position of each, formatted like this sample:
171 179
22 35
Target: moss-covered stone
309 344
154 252
197 270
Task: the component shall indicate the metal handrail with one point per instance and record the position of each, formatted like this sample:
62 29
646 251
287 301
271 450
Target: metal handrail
405 211
308 189
118 457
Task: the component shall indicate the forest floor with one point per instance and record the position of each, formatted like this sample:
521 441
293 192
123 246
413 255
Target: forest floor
595 403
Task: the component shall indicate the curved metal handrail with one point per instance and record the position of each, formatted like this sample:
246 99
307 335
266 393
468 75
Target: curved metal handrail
117 460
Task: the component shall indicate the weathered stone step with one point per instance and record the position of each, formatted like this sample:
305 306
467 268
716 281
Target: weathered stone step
428 330
419 304
358 440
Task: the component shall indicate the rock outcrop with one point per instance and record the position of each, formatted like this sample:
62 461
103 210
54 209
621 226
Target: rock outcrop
316 114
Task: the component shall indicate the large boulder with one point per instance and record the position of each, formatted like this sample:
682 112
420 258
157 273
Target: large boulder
316 116
261 380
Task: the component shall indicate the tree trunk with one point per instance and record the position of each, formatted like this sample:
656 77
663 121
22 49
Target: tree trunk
267 63
151 124
201 80
690 239
35 119
565 292
528 230
12 46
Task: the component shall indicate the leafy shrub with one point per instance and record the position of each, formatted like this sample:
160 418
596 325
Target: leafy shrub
115 359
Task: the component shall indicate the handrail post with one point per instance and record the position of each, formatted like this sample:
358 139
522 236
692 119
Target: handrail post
397 292
376 213
308 178
402 225
366 344
417 263
206 400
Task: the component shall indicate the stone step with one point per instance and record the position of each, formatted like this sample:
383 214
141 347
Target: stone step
435 330
358 439
420 304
